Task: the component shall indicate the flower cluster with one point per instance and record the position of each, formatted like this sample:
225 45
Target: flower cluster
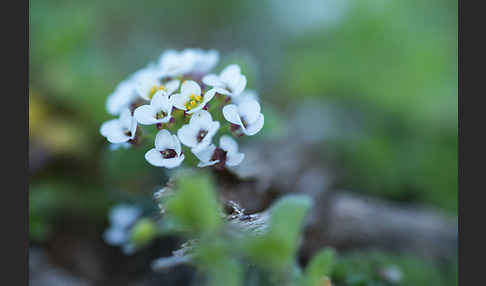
179 97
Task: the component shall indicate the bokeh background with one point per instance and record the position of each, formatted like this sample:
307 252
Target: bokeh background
385 70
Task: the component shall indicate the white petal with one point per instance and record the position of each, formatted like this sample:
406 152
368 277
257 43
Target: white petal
230 113
208 96
249 110
177 144
205 61
228 144
133 128
168 57
233 159
123 215
174 162
212 80
113 131
202 118
205 154
117 138
230 73
115 236
255 127
145 115
164 140
161 101
172 86
190 87
144 84
107 127
154 157
206 164
188 135
174 63
245 95
213 128
238 85
179 100
121 98
223 91
126 118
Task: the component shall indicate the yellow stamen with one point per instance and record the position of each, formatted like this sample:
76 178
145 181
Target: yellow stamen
192 97
154 89
198 98
193 103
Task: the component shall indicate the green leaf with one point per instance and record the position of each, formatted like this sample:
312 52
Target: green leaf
319 267
194 208
143 232
276 249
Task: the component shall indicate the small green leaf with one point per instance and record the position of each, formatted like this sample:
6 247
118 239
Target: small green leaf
319 266
194 207
276 249
143 232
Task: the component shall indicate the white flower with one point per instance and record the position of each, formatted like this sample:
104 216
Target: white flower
123 96
229 82
190 98
203 61
245 95
199 132
125 93
167 152
245 114
148 85
226 154
158 111
173 63
121 217
120 130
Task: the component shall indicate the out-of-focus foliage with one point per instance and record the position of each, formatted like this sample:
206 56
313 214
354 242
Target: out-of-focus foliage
377 268
396 63
50 201
320 266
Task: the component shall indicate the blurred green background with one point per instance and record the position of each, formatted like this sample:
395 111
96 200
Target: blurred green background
386 68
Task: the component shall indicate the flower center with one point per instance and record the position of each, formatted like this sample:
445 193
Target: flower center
154 89
194 100
200 136
161 114
245 123
219 154
168 153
